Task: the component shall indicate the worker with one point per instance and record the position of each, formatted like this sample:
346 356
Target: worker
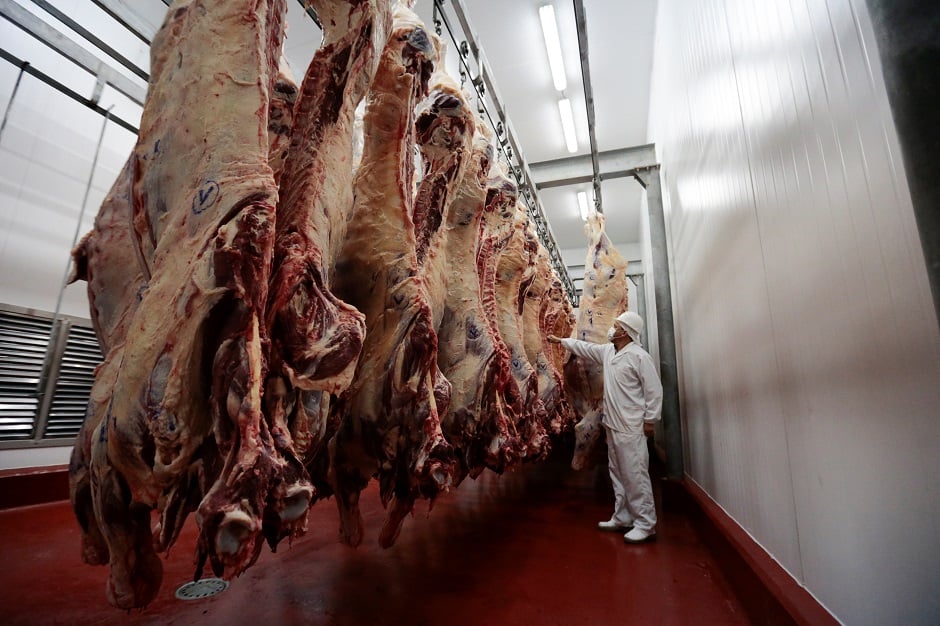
633 398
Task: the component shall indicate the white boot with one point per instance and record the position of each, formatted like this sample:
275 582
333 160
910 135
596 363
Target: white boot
637 535
611 525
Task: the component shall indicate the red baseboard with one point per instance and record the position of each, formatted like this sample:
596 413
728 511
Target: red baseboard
33 485
768 592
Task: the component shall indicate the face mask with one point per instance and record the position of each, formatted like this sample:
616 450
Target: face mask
610 334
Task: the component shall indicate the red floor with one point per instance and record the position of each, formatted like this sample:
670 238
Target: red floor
520 549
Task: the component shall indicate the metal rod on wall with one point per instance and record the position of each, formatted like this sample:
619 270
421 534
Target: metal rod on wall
55 347
16 87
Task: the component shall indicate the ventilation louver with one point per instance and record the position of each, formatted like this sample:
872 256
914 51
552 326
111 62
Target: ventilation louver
23 343
73 383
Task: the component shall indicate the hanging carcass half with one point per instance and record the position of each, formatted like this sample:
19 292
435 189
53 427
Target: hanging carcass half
515 269
390 424
604 297
177 403
536 325
316 337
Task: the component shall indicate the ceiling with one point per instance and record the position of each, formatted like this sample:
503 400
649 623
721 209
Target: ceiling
620 48
620 40
620 53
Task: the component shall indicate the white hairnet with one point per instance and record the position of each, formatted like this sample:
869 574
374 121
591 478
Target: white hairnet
632 323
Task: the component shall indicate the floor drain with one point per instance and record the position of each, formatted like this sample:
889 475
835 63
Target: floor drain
200 589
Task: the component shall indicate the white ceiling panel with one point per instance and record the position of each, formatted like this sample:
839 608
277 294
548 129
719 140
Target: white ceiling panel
620 45
622 204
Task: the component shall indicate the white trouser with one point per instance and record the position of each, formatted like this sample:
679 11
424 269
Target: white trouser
629 459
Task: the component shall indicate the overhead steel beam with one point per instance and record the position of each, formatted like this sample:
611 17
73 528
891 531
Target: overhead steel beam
581 22
580 169
32 71
125 16
48 35
91 38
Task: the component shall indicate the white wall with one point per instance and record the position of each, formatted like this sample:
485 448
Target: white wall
18 458
809 350
46 154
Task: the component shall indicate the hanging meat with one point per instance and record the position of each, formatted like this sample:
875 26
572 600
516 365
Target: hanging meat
496 230
604 297
535 327
316 338
515 268
390 423
485 403
556 317
108 258
179 400
444 129
281 117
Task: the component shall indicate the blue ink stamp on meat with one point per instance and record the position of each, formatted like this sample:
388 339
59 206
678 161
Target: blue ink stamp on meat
206 196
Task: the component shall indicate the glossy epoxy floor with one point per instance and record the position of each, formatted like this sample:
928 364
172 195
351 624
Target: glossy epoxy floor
517 549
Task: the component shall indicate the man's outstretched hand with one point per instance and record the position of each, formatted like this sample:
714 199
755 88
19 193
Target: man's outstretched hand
553 339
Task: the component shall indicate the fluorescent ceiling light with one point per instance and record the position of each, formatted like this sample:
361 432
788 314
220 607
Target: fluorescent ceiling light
567 124
553 46
586 206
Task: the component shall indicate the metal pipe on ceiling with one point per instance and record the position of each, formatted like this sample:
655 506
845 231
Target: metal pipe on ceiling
581 21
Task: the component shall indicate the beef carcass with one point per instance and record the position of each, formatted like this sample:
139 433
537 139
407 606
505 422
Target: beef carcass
515 271
109 259
603 298
444 128
556 318
281 118
503 257
179 400
535 330
485 401
316 338
390 423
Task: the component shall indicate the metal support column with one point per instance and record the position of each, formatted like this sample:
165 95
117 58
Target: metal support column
640 293
672 424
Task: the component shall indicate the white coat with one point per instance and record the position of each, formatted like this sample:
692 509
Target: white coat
633 394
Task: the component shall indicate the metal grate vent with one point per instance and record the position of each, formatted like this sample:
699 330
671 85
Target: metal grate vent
73 383
23 343
203 588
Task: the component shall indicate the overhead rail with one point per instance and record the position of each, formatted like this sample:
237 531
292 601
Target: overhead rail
491 105
581 22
